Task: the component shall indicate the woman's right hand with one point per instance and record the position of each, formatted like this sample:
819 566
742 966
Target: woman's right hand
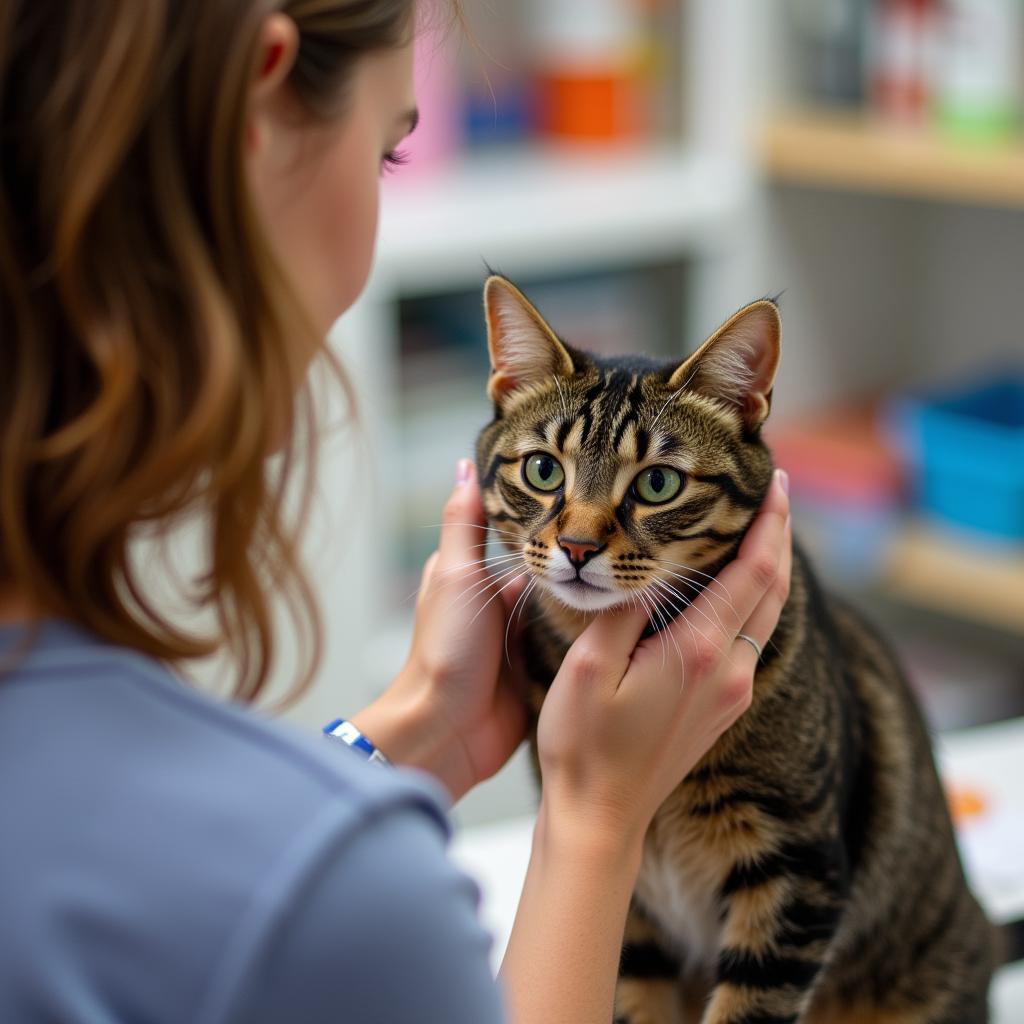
625 721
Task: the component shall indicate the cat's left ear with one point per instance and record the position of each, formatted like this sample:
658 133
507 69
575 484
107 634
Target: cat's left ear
524 349
737 364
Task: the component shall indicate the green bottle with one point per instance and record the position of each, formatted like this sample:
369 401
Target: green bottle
978 70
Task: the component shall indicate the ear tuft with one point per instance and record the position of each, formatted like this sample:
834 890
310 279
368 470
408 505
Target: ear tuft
737 364
524 350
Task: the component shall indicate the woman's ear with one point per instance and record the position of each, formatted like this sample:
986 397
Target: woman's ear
524 350
737 364
276 53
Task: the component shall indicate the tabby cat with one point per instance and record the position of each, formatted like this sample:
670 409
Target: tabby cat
806 869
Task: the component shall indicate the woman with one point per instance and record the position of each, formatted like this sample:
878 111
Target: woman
189 200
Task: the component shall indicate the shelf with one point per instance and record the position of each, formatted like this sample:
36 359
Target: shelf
986 585
538 210
855 152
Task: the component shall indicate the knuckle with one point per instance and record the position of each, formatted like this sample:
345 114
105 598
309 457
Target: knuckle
435 667
584 662
454 508
704 659
782 589
764 569
738 692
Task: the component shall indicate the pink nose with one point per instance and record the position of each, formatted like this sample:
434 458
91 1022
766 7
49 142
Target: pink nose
579 551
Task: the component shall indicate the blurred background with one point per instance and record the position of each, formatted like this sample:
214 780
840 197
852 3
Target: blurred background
645 167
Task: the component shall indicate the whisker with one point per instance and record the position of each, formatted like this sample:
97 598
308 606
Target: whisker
683 616
487 560
661 632
483 565
704 588
652 613
679 653
690 568
561 395
488 570
474 590
478 526
672 635
520 603
667 630
672 398
498 593
486 543
689 603
478 589
698 590
689 626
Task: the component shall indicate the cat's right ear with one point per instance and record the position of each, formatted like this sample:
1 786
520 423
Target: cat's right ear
524 350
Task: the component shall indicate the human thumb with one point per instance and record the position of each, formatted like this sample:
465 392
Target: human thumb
462 532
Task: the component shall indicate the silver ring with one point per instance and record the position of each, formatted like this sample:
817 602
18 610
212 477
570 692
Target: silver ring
753 643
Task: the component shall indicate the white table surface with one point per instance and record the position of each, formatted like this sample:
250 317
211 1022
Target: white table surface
988 760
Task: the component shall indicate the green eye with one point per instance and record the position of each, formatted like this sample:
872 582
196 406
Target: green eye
657 485
543 472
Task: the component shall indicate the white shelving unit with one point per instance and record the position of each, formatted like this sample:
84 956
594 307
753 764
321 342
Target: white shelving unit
542 211
857 272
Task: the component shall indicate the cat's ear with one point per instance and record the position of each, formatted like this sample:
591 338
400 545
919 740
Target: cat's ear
524 350
737 364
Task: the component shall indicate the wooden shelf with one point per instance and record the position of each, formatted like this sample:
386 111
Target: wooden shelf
928 568
854 152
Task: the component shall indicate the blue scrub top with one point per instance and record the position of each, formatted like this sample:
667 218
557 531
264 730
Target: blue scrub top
165 857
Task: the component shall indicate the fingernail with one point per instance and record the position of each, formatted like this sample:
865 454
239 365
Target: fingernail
783 480
463 471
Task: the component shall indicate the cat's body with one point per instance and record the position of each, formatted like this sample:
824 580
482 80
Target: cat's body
815 831
806 869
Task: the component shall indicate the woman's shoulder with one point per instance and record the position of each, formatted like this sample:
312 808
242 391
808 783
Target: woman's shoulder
75 704
170 838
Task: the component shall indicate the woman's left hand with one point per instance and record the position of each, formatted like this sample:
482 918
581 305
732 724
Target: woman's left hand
457 707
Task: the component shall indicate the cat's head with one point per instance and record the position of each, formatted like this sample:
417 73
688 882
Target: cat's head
627 478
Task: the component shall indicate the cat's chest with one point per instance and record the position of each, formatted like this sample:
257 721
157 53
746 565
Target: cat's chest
678 887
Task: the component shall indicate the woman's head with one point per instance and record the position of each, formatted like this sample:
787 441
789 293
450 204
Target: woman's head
187 200
314 153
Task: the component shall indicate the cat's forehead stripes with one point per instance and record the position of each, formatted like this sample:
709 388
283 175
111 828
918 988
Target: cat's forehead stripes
605 405
632 442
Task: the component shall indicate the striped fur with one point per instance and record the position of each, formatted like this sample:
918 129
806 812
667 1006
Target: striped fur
805 871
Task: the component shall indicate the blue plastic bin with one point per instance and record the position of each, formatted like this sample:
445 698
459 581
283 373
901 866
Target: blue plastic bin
968 451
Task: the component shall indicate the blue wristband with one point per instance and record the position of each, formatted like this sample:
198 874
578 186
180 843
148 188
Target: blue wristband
345 731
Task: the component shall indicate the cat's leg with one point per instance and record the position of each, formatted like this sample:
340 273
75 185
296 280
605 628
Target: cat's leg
777 930
648 989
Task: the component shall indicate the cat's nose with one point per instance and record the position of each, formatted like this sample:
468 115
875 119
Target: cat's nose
579 551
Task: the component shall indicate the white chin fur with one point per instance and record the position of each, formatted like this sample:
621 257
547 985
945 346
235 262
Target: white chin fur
586 600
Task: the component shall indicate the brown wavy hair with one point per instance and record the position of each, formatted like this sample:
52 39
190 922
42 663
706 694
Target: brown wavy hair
149 343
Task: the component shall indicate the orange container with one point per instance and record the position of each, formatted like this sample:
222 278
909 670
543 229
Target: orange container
590 106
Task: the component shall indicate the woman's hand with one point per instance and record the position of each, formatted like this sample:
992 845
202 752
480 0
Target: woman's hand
625 721
457 707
